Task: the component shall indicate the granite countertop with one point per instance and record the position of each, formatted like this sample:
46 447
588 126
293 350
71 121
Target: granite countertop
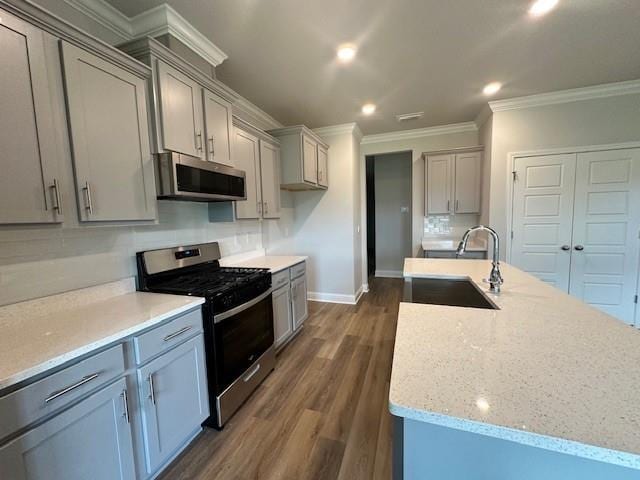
38 335
274 263
546 370
451 244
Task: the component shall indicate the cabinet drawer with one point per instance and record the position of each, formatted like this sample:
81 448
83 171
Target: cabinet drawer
162 338
279 279
25 406
298 270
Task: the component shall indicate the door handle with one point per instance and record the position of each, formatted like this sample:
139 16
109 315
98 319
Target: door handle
152 393
199 141
448 206
89 205
125 404
56 193
457 204
578 248
565 247
212 149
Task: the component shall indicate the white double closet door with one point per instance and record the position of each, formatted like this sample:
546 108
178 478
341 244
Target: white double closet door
576 225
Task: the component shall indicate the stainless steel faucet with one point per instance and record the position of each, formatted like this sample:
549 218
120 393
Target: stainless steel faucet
495 277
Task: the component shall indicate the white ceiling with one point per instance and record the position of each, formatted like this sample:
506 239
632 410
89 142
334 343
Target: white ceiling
414 55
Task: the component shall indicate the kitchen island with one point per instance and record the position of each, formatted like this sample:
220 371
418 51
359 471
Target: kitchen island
545 386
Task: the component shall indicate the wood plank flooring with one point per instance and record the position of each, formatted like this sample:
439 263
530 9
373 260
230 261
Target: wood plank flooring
322 413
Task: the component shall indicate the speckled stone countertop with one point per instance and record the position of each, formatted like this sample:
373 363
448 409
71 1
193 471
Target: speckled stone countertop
275 263
546 370
38 335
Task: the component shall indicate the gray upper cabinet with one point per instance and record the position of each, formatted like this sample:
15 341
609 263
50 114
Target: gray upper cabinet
270 176
247 158
174 400
180 112
304 159
219 128
90 440
453 181
107 109
468 172
30 180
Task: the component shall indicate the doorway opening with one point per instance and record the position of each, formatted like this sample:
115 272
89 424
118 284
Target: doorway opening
388 198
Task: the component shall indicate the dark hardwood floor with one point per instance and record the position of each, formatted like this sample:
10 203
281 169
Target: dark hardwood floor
323 412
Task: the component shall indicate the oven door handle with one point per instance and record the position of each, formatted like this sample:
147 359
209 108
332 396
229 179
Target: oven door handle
230 313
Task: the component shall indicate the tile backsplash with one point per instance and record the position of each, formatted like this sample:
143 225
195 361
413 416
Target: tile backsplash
438 226
36 261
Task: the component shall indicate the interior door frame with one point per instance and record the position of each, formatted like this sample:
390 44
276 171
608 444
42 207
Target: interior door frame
513 156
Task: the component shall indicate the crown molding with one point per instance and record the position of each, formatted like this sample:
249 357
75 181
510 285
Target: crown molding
566 96
255 113
338 129
420 132
157 21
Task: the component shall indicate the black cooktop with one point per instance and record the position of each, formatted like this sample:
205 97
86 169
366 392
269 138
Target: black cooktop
210 281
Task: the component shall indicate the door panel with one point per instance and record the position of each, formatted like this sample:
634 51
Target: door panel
246 158
27 135
467 182
174 400
606 223
90 440
323 166
282 320
309 160
542 212
181 112
299 301
270 175
111 152
219 127
439 184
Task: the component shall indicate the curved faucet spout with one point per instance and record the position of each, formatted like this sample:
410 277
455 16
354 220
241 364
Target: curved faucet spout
495 277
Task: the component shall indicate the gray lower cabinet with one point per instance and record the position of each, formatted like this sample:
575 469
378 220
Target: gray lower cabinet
289 303
30 180
299 301
107 111
91 440
282 318
174 400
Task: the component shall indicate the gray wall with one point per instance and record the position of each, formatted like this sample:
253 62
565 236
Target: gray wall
392 173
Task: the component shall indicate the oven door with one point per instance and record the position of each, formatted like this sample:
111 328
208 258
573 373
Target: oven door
241 336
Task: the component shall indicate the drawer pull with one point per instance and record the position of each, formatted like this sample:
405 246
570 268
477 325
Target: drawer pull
68 389
152 393
125 402
178 333
253 372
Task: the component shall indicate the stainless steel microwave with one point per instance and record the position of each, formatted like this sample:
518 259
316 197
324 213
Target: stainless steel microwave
182 177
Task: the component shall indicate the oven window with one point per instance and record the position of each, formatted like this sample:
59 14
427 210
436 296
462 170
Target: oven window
241 339
195 180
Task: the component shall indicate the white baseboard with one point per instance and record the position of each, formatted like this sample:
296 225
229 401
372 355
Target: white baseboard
365 287
335 297
389 273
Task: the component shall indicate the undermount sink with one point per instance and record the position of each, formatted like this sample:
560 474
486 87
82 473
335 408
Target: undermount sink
453 292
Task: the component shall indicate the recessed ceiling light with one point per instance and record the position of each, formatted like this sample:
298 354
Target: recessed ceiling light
346 52
492 88
368 109
541 7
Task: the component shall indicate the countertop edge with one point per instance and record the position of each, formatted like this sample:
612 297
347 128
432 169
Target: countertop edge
531 439
59 360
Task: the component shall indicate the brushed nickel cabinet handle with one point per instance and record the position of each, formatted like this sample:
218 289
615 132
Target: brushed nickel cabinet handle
56 194
448 206
199 141
125 403
266 208
89 205
457 204
62 391
178 333
212 149
152 394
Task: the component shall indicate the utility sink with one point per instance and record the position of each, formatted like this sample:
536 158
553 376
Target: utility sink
438 291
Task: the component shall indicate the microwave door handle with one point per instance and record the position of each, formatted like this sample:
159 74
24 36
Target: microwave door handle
240 308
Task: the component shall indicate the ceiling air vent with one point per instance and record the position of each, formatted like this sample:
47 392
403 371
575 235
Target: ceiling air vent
405 117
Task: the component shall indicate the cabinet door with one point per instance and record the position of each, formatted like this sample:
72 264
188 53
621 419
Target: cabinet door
270 174
282 319
110 138
91 440
246 154
30 155
299 301
467 182
439 184
323 166
219 128
174 400
309 159
180 112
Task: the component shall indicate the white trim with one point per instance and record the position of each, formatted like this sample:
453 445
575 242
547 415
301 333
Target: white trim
389 273
483 116
331 298
336 129
565 96
513 156
256 113
420 132
157 21
365 287
359 294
